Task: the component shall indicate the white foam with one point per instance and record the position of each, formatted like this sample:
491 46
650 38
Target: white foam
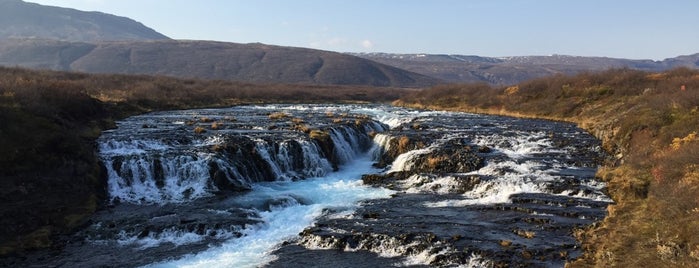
172 236
426 184
211 140
131 147
185 177
405 161
595 196
389 247
396 117
337 190
509 178
518 145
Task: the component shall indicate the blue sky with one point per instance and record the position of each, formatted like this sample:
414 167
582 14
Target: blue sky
636 29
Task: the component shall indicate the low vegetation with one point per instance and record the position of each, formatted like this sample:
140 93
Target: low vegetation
51 180
648 123
50 177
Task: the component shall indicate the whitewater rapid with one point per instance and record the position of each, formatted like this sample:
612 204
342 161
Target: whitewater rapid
338 192
279 185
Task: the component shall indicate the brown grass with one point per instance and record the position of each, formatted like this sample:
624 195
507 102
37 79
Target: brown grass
647 123
216 125
403 143
278 115
434 161
319 135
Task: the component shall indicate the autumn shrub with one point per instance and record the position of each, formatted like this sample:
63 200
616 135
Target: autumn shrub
403 143
216 125
278 115
319 135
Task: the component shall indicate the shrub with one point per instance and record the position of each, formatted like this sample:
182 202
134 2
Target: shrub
319 135
278 115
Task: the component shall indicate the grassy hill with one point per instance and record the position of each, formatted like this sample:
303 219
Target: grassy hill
513 70
20 19
648 122
257 63
50 178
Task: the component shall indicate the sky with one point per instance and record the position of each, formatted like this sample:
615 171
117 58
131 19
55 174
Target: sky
633 29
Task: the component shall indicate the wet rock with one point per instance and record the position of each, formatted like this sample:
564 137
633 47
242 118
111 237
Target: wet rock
437 215
453 206
402 144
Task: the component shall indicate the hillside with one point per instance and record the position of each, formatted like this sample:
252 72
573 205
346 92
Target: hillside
648 124
19 19
207 60
512 70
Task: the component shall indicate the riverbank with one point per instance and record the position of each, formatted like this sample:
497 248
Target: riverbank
648 124
50 178
51 181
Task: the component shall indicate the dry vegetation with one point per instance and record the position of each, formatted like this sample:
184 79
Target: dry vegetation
49 121
648 122
50 179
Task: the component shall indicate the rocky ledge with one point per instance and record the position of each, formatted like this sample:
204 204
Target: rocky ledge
468 199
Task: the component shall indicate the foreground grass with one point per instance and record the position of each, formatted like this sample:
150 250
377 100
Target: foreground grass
50 178
648 122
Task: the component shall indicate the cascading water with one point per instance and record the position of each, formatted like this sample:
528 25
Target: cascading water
149 166
238 187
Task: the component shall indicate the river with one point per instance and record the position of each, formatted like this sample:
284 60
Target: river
287 186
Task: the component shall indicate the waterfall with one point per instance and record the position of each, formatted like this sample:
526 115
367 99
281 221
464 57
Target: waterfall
155 178
263 150
245 189
314 164
344 148
178 169
382 144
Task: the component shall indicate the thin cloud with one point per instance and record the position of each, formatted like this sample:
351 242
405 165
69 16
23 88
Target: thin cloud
367 44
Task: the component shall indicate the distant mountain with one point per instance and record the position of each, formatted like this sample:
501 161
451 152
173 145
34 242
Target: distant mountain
512 70
19 19
44 37
208 60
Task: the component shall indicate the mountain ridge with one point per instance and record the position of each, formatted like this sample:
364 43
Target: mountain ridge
511 70
55 38
253 62
19 19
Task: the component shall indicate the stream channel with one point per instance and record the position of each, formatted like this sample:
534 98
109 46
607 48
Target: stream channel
339 186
